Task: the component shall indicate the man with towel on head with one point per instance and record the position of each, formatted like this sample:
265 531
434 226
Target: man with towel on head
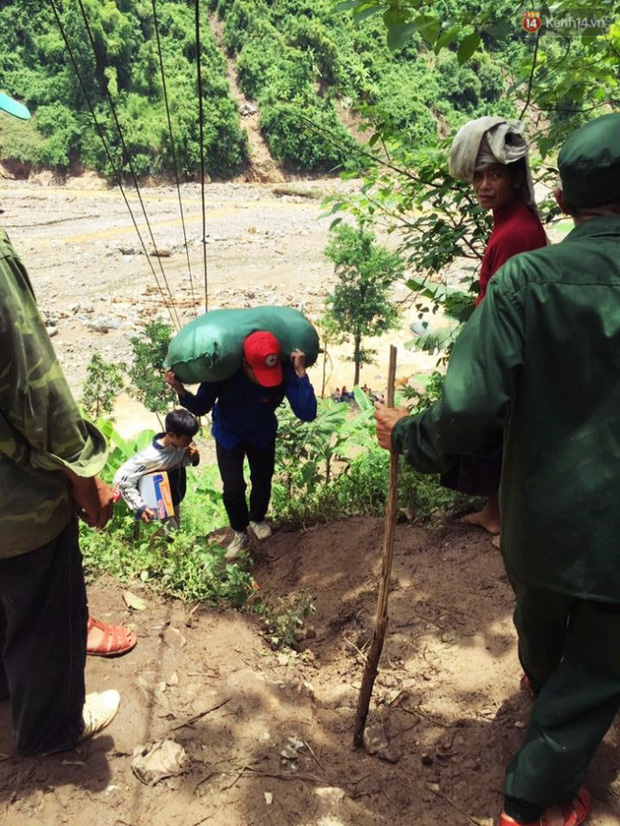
491 153
540 357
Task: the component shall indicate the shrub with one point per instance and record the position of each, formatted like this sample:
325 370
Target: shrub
306 136
104 381
147 370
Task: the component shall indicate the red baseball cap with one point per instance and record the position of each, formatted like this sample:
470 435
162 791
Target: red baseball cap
261 350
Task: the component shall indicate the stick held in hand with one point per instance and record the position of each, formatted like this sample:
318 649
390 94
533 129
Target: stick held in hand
378 636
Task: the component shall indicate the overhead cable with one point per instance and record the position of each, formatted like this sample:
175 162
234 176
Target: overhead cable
202 151
108 154
174 153
127 156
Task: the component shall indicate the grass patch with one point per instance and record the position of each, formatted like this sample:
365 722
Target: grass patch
325 470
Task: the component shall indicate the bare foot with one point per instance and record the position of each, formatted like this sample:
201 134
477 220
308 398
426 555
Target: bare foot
487 518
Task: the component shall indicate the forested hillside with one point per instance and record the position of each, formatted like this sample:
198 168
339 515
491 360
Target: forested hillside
117 67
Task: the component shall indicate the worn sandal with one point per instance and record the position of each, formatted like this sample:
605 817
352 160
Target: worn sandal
116 641
570 814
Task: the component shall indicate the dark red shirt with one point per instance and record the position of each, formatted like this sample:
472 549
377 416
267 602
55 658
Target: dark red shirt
515 229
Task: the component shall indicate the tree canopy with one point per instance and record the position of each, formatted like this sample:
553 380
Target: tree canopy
93 69
361 303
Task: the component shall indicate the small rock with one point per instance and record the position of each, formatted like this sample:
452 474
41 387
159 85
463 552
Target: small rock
376 742
98 326
332 794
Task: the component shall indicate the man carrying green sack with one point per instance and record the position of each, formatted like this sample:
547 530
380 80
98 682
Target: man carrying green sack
540 357
245 424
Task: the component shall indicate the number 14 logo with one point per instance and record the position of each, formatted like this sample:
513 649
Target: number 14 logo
531 21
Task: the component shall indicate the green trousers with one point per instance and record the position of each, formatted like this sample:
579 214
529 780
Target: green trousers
570 649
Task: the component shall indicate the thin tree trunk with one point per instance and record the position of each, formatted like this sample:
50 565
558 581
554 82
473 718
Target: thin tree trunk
356 358
324 371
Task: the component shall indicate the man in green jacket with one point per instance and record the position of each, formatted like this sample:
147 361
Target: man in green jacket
540 358
49 458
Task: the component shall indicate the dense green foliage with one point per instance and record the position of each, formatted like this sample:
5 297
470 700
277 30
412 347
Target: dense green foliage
334 467
555 80
309 70
309 67
566 69
112 61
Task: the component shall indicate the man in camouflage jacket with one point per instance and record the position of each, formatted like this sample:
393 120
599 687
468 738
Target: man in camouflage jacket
49 458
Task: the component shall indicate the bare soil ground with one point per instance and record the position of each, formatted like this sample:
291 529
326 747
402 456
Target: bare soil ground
268 736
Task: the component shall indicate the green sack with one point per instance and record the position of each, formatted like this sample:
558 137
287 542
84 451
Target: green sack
210 348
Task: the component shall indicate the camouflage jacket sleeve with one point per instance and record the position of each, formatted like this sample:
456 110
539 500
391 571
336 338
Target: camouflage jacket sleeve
40 424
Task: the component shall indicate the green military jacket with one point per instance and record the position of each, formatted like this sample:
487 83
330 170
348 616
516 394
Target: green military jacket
540 357
41 429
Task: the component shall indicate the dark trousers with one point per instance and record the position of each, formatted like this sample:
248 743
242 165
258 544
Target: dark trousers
477 474
570 649
230 463
43 617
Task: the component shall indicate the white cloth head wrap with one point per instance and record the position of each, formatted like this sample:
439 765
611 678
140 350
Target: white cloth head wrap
488 140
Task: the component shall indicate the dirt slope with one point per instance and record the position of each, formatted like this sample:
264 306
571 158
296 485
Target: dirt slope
259 726
447 691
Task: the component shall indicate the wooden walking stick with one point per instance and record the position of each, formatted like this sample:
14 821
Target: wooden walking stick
378 636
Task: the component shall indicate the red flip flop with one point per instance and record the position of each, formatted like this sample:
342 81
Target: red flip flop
117 640
569 814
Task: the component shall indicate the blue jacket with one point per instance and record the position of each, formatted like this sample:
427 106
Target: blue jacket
245 411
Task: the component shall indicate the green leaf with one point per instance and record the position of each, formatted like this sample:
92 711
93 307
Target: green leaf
400 34
345 5
445 39
362 400
366 13
394 16
467 47
500 28
429 27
